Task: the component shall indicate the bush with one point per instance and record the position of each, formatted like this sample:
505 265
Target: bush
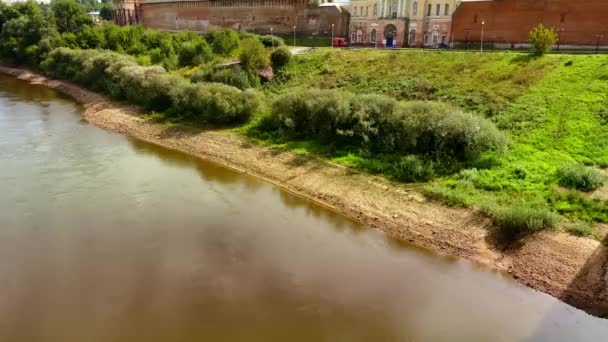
234 76
521 219
382 125
579 177
582 229
215 103
225 42
270 41
412 169
152 87
279 58
149 87
542 39
253 56
192 49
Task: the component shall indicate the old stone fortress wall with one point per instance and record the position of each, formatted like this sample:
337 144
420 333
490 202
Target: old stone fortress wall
400 23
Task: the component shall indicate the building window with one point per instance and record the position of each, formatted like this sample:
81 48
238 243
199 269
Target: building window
415 9
447 10
412 37
429 10
394 11
355 11
375 10
426 39
373 39
367 11
475 19
438 10
563 18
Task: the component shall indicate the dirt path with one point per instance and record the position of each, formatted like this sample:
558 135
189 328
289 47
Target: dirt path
569 268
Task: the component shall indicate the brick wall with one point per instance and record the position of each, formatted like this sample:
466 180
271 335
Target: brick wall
510 21
249 15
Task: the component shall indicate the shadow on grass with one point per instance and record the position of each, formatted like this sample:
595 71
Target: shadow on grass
524 59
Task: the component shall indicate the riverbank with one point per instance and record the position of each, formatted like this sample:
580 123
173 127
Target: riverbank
566 267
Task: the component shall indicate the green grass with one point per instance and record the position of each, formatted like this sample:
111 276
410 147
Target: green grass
554 110
483 83
554 123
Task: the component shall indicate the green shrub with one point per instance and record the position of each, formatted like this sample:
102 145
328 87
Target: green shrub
520 172
194 51
234 76
253 56
520 219
382 125
215 103
280 57
152 87
225 42
270 41
582 229
579 177
412 169
542 39
468 177
149 87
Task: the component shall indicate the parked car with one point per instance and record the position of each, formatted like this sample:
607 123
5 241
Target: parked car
339 42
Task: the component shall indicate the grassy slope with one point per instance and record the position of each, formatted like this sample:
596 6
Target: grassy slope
554 111
557 121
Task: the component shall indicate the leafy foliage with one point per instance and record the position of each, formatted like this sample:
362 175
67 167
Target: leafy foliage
542 39
520 219
70 16
279 58
253 56
579 177
272 41
382 125
152 87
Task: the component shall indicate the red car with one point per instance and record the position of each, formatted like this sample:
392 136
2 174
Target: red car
339 42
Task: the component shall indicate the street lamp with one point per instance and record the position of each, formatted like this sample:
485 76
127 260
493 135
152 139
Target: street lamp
483 22
559 36
271 39
599 37
294 36
332 35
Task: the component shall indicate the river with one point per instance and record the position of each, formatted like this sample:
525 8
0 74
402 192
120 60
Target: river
105 238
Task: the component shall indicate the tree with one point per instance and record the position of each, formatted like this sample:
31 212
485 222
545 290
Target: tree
7 12
70 16
225 42
21 34
105 12
542 39
254 55
280 57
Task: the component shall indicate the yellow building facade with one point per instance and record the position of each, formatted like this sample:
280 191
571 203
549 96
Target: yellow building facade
401 23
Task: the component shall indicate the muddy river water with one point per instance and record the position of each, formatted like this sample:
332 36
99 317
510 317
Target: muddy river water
103 238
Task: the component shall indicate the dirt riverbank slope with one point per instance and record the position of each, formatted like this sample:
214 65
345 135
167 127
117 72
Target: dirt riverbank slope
569 268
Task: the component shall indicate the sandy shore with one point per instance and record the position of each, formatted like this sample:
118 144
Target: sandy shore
572 269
